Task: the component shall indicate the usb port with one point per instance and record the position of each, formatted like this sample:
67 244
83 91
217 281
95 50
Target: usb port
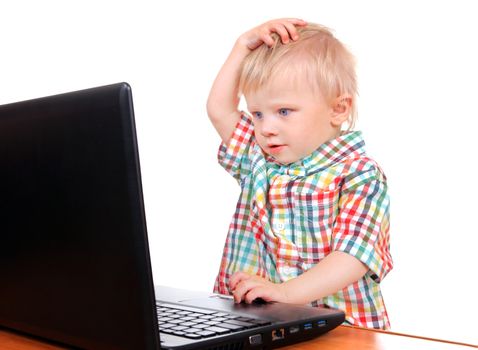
278 334
321 323
294 329
307 326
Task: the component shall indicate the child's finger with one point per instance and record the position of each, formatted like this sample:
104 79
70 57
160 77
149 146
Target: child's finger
256 293
267 39
283 32
237 278
292 30
243 288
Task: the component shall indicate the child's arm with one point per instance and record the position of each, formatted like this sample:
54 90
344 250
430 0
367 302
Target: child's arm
223 101
335 272
359 247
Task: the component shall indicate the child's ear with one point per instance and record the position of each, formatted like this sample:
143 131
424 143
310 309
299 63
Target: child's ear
341 109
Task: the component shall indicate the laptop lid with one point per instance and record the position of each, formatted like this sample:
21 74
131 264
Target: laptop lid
74 257
74 246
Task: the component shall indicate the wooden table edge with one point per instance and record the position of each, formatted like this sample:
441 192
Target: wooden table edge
409 335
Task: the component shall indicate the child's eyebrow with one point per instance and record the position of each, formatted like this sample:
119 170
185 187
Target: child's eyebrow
252 108
273 106
284 104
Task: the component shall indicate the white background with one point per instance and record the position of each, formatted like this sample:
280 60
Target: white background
417 109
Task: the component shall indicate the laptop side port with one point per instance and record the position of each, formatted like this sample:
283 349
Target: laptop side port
294 329
278 334
321 323
307 326
255 339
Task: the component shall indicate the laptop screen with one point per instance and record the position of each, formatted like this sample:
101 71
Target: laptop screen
74 258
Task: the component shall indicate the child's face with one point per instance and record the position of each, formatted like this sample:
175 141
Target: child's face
290 120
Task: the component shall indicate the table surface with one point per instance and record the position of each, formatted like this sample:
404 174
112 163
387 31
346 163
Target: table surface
343 337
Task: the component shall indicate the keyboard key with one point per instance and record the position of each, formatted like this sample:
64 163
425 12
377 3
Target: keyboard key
184 313
188 318
164 314
206 333
201 326
198 320
218 330
163 309
232 317
167 325
219 319
176 321
207 317
241 323
232 327
192 330
192 335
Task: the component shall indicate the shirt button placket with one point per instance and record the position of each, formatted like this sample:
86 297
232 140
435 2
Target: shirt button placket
280 226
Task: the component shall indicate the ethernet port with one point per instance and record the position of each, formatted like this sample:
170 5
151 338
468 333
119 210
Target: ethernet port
278 334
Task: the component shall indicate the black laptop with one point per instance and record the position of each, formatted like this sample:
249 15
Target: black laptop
74 257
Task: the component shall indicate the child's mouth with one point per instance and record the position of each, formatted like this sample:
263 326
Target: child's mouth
274 149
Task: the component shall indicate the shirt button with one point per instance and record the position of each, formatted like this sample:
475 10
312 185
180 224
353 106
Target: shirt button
280 226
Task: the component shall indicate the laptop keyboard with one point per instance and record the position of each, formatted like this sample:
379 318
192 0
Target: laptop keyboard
196 323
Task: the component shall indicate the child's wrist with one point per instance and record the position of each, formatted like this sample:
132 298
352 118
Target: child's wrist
242 45
285 292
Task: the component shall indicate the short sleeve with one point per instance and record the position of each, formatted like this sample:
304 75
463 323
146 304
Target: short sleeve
233 156
362 225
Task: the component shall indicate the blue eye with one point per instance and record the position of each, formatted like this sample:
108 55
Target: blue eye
284 112
257 115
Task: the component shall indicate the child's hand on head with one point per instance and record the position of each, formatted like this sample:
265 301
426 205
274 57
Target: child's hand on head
284 27
248 288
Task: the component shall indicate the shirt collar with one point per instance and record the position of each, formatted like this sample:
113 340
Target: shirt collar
330 152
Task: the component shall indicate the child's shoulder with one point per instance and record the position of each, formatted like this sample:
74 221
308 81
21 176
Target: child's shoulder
362 168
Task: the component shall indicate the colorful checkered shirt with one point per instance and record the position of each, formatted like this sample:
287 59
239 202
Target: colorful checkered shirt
289 217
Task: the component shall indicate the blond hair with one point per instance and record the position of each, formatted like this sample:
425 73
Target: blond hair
317 56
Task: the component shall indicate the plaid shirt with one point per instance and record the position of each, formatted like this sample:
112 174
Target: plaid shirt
289 217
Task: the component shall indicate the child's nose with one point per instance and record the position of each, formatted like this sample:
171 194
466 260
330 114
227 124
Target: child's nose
269 126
